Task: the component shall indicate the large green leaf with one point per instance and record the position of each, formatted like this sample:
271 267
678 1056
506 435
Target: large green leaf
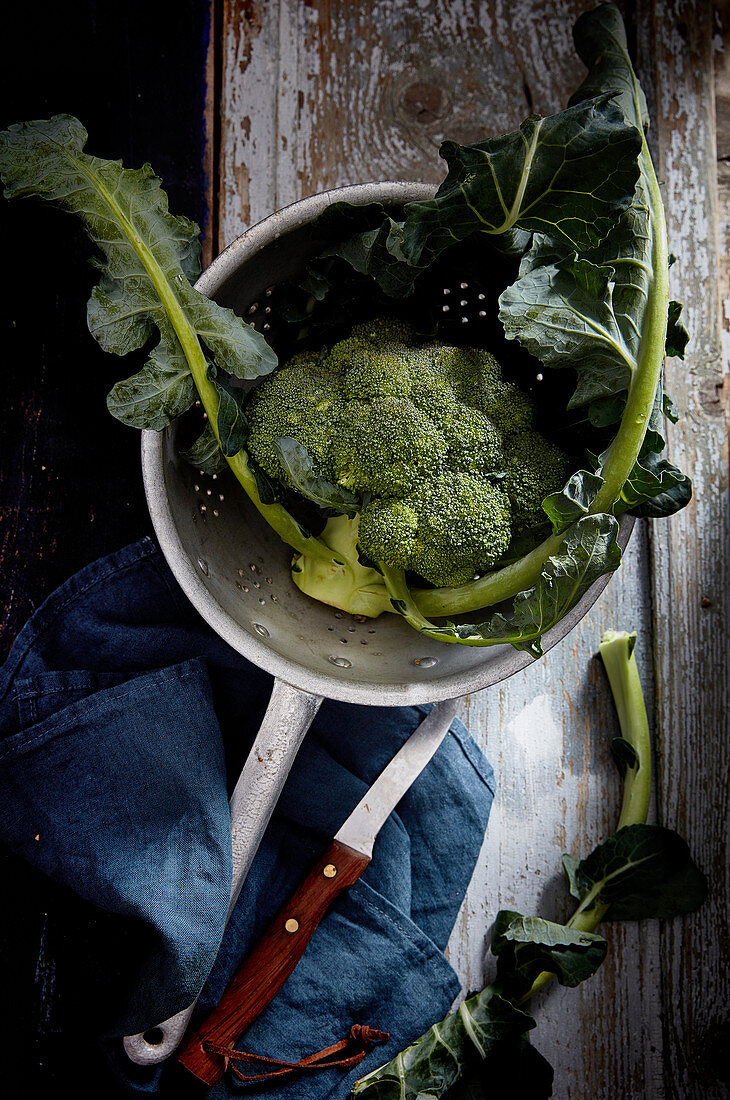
159 392
148 261
641 871
565 176
436 1061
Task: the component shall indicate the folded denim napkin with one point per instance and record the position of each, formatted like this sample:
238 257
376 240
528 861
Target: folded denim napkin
124 723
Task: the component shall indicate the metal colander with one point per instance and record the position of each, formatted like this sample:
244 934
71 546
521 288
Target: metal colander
236 570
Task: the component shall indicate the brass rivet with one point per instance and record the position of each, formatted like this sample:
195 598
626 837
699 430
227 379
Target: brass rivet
292 925
329 871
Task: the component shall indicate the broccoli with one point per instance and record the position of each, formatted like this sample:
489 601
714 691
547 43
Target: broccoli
438 448
302 401
450 527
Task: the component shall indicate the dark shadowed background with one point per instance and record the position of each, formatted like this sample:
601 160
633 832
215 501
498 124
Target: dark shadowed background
70 488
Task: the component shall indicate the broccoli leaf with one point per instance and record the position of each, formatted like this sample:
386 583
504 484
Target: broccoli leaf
677 335
573 501
204 453
435 1062
589 551
673 492
231 419
641 871
158 393
528 946
300 468
624 755
379 253
656 488
600 40
566 176
593 326
149 260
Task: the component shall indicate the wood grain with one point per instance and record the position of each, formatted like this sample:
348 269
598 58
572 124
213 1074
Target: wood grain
324 93
690 589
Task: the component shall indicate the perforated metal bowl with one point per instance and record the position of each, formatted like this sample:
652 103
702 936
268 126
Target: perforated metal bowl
236 571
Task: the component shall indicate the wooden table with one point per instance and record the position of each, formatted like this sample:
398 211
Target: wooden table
245 106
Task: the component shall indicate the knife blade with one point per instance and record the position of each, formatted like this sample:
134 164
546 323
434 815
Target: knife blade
282 945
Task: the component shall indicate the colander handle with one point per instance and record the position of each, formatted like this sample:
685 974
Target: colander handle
288 716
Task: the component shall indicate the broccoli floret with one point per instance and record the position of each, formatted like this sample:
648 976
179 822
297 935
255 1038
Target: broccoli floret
476 378
438 446
389 531
506 405
384 447
302 401
382 373
451 527
474 442
385 330
534 468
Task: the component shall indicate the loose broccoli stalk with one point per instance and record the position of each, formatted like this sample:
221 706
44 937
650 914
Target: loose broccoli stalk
633 749
639 872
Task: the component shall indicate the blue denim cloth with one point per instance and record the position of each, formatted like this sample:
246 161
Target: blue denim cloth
124 724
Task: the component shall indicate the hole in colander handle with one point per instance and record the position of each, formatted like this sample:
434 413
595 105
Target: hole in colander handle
288 717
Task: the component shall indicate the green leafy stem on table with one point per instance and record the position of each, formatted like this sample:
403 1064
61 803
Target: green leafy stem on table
641 871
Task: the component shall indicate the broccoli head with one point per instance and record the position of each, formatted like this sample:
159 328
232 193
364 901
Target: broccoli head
438 446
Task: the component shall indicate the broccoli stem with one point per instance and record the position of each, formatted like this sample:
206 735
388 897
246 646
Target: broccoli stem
341 580
617 654
646 379
621 455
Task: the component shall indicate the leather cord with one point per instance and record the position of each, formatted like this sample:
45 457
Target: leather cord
352 1050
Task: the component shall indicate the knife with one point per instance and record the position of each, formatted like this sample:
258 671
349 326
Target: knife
282 945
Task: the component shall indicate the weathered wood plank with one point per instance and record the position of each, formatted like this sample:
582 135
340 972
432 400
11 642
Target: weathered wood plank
326 93
690 586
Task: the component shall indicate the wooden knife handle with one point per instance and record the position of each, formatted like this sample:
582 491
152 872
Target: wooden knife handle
272 960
